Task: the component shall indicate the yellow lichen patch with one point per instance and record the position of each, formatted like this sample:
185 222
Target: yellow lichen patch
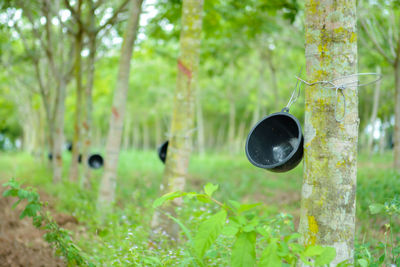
340 163
313 230
353 37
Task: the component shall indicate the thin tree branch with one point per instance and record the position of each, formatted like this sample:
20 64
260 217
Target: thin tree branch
73 12
98 4
114 17
375 42
390 33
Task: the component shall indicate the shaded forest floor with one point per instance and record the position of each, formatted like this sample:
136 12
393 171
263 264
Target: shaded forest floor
122 238
21 244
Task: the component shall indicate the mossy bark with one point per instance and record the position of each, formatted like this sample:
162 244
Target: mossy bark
109 179
330 147
180 143
76 143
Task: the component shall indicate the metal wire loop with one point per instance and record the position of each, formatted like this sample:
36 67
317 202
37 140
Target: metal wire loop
331 84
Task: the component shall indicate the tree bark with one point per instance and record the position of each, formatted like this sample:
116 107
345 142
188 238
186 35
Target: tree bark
182 124
397 117
330 147
108 181
87 123
146 137
158 134
127 133
136 136
76 142
59 132
374 113
200 124
232 123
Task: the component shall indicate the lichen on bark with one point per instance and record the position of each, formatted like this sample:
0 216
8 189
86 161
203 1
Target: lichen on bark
330 147
182 125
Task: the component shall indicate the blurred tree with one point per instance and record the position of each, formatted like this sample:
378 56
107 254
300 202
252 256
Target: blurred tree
86 17
182 122
51 63
378 21
108 181
330 146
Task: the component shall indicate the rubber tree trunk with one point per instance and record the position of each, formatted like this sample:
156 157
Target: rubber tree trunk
383 137
58 135
330 147
108 181
76 142
397 117
146 136
374 113
200 124
87 123
232 122
180 145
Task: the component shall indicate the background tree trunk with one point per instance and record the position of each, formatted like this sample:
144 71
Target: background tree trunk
200 124
182 124
108 181
374 113
330 148
59 132
76 142
397 116
87 123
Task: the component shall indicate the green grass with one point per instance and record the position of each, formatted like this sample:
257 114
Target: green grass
122 238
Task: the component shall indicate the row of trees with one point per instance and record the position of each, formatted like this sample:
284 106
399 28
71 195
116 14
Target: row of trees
237 35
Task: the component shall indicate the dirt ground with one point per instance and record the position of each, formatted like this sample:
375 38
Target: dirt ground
21 244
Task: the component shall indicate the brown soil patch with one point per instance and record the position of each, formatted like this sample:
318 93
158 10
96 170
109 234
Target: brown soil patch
21 244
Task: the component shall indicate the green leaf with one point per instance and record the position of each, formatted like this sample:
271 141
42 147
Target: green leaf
30 210
203 198
10 192
16 203
362 262
292 237
262 231
22 194
314 250
234 204
210 188
269 257
244 250
249 228
181 225
376 208
169 196
247 207
325 257
208 231
230 230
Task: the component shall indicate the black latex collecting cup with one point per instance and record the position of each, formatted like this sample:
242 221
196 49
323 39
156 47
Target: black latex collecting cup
276 143
162 151
95 161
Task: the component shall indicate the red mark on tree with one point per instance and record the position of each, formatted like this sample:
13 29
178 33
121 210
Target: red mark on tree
185 70
115 112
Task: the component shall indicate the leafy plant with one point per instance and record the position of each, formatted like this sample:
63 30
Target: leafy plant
273 239
55 235
389 249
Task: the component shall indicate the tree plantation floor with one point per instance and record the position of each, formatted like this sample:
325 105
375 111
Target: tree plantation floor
21 244
122 238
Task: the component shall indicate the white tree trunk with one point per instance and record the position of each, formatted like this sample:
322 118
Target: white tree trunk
330 147
108 181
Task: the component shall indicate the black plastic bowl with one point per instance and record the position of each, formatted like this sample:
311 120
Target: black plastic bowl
162 151
276 143
95 161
